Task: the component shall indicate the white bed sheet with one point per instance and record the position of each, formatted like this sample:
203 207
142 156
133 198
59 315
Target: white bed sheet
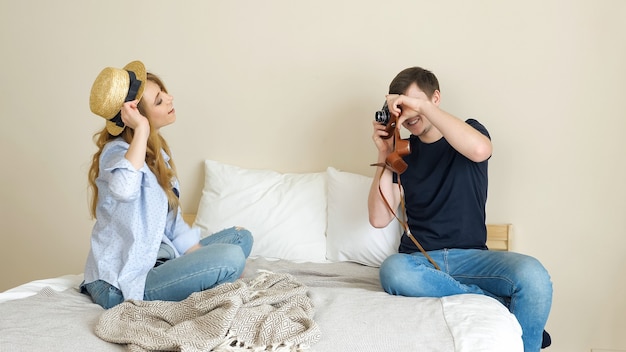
352 311
60 283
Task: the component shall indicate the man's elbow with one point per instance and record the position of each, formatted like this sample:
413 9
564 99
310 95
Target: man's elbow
378 223
481 152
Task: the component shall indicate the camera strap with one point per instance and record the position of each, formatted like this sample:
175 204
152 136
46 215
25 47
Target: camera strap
402 222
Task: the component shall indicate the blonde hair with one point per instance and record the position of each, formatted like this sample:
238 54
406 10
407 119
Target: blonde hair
154 158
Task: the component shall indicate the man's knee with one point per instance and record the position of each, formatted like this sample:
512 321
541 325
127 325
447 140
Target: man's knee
391 272
400 274
533 276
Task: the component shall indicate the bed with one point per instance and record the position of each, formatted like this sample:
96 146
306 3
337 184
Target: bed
312 228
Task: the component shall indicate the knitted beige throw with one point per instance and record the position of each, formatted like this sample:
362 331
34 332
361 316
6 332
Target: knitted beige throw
270 312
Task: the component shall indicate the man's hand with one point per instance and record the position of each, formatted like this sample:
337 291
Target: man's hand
406 107
384 145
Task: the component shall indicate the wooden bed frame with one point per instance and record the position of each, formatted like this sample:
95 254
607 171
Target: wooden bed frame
498 235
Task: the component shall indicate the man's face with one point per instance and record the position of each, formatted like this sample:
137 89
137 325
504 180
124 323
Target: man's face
417 125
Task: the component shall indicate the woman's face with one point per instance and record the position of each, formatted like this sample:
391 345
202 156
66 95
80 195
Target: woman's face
158 106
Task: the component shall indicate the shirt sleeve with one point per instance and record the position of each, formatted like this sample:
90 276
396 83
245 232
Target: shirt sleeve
123 180
180 233
478 126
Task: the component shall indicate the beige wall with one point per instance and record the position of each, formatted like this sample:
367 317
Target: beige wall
292 86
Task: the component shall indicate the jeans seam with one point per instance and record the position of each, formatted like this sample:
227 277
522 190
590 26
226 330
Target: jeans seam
191 276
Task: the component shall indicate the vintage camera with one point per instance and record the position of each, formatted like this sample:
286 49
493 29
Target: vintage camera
384 117
401 147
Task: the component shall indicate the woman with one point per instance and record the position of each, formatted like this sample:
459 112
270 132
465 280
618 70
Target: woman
141 248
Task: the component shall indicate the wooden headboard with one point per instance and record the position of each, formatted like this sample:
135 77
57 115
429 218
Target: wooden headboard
498 235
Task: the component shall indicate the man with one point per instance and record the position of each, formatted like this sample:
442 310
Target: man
445 192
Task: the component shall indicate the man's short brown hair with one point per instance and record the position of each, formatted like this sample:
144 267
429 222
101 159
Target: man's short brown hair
425 80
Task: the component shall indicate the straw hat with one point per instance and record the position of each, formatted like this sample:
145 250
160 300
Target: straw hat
112 88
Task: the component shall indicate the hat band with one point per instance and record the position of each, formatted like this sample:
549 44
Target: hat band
133 88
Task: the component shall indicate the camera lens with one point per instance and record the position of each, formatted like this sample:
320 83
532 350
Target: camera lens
382 116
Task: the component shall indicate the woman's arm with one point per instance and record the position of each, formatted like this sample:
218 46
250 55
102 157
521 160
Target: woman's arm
131 117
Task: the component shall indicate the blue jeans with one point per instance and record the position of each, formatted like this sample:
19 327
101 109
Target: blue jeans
520 282
221 259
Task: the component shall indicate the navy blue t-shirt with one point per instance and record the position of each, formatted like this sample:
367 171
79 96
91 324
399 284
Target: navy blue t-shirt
445 196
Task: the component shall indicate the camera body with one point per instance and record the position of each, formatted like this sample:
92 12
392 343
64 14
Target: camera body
401 147
384 117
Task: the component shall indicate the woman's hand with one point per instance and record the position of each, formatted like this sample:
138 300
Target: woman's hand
132 117
193 248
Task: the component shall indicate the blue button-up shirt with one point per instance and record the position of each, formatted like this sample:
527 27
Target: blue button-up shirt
132 219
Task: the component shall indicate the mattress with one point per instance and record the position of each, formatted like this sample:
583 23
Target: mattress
352 311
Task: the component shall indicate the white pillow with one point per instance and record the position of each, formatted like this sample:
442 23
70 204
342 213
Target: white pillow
286 213
349 235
